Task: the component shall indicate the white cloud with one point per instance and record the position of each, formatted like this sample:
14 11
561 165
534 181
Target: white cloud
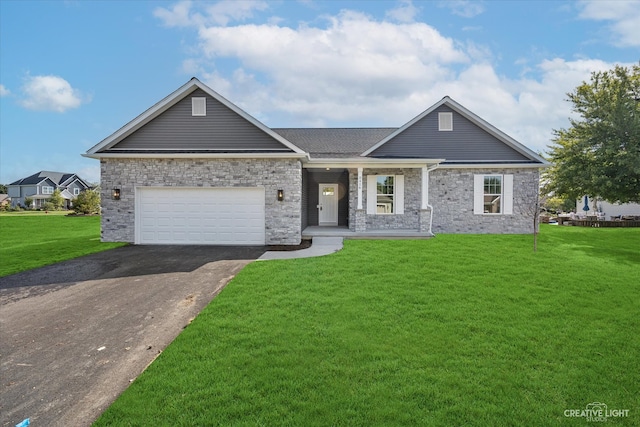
330 75
183 13
405 12
4 91
624 17
50 93
464 8
178 16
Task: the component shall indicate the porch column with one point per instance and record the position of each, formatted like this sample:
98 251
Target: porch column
361 217
359 188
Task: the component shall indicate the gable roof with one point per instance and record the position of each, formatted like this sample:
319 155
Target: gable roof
169 101
57 178
524 153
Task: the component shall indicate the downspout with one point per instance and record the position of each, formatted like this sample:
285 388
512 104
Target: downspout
427 170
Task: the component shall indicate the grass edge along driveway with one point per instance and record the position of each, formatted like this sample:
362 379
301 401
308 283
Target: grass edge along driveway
457 330
32 239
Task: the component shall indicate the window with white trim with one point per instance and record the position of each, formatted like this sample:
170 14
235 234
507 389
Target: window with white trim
47 189
76 191
492 200
385 194
445 121
198 106
493 194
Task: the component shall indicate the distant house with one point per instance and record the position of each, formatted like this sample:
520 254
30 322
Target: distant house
41 185
5 200
606 209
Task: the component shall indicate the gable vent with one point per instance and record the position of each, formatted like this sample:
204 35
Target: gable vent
445 121
198 106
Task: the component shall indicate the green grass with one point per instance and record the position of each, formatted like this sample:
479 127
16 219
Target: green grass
457 330
32 239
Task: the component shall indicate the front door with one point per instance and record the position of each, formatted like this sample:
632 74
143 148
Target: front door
328 204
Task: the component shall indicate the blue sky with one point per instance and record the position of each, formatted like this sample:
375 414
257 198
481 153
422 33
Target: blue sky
73 72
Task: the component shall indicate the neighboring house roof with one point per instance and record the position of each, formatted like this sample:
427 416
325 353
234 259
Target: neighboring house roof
4 198
58 179
334 142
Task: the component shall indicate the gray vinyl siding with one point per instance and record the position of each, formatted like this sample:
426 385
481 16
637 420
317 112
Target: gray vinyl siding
221 129
314 179
466 142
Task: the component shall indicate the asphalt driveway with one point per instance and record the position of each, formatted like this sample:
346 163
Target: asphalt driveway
75 334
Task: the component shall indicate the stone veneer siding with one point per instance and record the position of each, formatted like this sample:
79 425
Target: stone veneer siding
412 199
451 195
282 219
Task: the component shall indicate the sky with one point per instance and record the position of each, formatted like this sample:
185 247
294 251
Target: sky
73 72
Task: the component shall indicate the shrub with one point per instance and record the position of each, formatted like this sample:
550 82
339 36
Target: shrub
87 202
56 200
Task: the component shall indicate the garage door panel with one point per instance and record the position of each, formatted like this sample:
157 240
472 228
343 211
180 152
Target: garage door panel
221 216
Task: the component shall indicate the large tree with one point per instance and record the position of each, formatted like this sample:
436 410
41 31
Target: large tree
599 155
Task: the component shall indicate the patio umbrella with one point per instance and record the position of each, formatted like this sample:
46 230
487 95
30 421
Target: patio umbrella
586 204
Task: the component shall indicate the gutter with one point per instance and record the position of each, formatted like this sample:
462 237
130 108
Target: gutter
434 167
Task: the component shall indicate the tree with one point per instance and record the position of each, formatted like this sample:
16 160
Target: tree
28 202
3 189
87 202
56 200
529 203
599 155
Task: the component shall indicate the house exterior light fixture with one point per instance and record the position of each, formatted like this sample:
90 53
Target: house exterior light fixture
280 195
116 194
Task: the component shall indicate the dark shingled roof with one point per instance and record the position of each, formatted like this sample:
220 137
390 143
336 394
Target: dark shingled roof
334 142
57 178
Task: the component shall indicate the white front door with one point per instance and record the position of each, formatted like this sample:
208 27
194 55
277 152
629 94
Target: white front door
328 204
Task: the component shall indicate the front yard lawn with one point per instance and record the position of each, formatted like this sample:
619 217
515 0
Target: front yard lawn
457 330
33 239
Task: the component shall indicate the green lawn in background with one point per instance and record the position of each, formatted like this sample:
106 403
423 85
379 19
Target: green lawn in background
33 239
474 330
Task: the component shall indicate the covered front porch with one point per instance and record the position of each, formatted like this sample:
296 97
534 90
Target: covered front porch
372 198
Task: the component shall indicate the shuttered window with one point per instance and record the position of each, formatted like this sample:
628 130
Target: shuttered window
198 106
492 194
445 121
385 194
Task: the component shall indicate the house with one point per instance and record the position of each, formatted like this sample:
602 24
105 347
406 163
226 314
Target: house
196 169
41 185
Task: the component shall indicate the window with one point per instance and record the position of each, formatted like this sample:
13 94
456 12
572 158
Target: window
385 194
47 190
198 106
445 121
493 194
76 191
328 191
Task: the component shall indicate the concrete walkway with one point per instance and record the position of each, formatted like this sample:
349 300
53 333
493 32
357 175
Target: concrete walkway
320 246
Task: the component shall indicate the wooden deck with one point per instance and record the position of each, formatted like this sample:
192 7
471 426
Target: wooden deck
602 223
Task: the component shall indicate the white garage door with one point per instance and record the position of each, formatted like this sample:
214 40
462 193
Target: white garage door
200 216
